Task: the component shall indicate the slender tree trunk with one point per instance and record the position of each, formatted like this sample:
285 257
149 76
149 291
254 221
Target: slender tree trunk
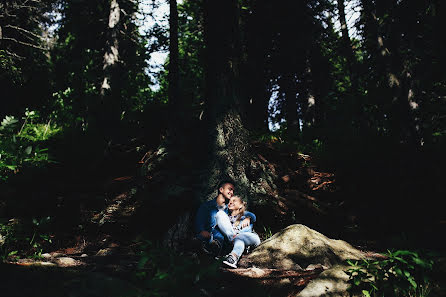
346 43
174 91
308 103
111 56
257 77
109 108
288 87
354 98
176 106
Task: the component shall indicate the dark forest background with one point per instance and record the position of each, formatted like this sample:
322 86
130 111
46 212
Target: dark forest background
248 87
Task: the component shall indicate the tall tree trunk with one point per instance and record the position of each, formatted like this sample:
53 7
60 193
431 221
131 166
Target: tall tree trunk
176 107
385 48
288 87
257 78
228 139
109 108
353 101
346 43
174 91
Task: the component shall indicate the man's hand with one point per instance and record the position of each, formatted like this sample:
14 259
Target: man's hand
205 234
246 222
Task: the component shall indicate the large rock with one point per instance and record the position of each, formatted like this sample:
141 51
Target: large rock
299 246
333 282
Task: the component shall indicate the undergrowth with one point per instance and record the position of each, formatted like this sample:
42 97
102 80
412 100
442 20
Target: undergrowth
163 272
401 273
23 143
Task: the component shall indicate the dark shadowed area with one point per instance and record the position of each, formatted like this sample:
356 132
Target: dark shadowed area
329 116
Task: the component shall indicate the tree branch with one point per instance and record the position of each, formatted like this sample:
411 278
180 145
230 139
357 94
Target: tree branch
24 43
24 30
14 55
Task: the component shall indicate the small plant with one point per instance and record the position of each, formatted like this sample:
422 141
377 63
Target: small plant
21 143
267 233
159 268
23 238
401 273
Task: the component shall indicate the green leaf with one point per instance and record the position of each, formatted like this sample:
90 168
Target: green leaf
422 263
28 150
142 262
412 282
8 121
405 253
12 253
162 275
401 260
366 293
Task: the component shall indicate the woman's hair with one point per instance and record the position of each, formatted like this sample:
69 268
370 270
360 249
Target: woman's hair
241 211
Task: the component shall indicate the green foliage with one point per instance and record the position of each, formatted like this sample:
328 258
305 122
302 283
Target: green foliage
401 273
9 71
159 268
25 238
23 145
267 233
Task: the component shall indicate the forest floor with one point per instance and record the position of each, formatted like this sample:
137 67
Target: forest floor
97 240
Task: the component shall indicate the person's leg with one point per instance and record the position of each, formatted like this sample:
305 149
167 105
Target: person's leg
240 242
239 247
243 240
224 224
217 235
212 245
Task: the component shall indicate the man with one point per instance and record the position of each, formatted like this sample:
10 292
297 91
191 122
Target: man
206 226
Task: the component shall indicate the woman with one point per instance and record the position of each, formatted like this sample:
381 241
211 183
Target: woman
236 229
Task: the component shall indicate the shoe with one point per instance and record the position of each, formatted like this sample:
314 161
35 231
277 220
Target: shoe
231 261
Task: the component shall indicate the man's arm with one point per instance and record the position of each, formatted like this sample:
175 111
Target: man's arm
201 221
248 219
251 216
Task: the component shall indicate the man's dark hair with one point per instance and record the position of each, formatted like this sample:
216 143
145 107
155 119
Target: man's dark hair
224 182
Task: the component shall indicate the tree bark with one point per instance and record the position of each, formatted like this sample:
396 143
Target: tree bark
346 43
176 104
109 107
111 56
288 87
228 138
174 91
257 77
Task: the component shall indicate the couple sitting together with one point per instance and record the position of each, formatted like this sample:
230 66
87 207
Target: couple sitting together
220 226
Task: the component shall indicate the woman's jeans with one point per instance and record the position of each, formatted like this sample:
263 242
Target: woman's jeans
243 239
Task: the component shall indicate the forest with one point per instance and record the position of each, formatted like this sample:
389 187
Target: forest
326 115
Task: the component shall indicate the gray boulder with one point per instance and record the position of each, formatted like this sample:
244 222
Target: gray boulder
299 246
333 282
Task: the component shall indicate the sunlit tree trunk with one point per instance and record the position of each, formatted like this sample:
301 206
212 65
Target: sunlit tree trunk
346 43
288 87
228 139
109 108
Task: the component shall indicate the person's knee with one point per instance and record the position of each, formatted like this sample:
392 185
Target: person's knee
257 241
